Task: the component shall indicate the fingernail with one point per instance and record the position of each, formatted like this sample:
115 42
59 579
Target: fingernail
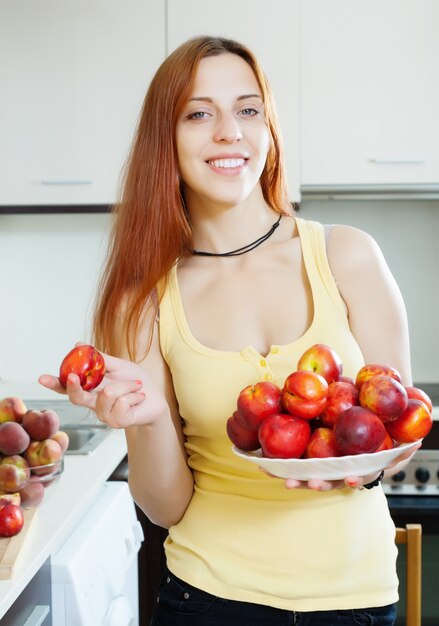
138 382
351 483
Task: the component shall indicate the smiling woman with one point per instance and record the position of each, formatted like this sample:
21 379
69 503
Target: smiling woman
185 332
222 135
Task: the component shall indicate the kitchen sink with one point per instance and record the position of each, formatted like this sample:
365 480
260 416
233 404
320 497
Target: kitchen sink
84 438
85 431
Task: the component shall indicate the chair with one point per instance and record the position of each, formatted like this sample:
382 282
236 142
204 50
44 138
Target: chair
411 535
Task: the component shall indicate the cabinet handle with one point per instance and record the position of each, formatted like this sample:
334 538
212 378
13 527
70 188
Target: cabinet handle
396 161
38 615
66 182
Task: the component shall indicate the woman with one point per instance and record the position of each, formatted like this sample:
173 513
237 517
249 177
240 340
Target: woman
213 283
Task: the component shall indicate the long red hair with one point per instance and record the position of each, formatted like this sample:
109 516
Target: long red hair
151 228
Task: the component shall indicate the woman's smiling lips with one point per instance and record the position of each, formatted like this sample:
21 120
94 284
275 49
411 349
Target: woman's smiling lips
228 164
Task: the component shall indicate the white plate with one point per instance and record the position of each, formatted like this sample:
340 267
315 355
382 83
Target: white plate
330 468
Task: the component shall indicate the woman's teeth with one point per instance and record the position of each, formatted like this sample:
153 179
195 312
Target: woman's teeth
227 162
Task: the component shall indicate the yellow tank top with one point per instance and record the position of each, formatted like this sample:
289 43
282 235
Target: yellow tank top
244 536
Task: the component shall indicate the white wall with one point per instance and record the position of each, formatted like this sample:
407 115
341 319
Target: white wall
49 265
408 233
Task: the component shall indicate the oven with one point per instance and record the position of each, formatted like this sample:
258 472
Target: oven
413 497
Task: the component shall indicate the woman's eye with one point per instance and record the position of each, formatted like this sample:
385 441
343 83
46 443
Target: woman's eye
249 111
198 115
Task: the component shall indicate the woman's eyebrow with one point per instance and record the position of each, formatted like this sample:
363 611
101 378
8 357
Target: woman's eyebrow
250 95
207 99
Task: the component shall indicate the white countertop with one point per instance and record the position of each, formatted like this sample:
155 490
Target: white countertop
64 504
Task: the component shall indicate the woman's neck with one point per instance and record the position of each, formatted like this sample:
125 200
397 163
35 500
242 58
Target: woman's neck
220 228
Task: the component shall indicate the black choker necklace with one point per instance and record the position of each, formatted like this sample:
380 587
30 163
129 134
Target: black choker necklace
244 249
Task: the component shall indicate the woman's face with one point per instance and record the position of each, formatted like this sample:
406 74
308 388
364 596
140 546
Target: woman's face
222 137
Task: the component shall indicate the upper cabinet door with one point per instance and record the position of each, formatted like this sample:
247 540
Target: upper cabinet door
271 31
369 92
73 76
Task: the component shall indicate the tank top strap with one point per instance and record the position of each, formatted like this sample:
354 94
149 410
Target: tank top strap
320 276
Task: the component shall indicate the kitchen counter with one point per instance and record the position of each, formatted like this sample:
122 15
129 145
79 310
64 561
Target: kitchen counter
65 502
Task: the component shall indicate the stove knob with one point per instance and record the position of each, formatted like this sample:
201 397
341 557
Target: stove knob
422 474
399 477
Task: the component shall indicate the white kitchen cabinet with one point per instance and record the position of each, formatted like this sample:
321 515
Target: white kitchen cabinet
271 31
73 77
369 94
33 605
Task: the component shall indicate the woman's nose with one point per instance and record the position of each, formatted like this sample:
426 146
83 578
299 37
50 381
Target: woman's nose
228 129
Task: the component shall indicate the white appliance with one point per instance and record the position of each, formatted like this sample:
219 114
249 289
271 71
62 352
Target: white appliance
94 574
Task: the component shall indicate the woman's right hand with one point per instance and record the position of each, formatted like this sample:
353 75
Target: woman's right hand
126 397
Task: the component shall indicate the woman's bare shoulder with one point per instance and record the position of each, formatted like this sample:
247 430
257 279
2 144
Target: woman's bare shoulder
352 250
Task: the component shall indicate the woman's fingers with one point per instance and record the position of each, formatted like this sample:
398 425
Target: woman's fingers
114 364
325 485
76 393
113 391
292 483
116 402
356 481
317 485
124 413
52 383
314 483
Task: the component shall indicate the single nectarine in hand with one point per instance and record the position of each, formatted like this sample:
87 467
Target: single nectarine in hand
87 363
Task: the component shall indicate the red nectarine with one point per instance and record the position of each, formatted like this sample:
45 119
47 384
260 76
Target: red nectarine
87 363
374 369
284 436
383 395
415 393
321 444
322 360
256 402
414 424
341 396
358 430
240 435
304 394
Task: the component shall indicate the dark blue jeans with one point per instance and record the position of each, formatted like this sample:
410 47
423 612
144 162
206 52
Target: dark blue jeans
180 604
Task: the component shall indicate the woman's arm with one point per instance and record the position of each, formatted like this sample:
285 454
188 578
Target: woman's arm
376 315
140 398
160 480
375 307
376 311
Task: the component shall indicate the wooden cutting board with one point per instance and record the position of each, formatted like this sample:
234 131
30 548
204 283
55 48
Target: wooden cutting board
12 548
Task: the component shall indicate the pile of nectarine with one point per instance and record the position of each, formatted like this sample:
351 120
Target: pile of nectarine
321 413
31 449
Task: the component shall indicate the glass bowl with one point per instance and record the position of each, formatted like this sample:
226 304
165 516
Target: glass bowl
30 482
46 473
